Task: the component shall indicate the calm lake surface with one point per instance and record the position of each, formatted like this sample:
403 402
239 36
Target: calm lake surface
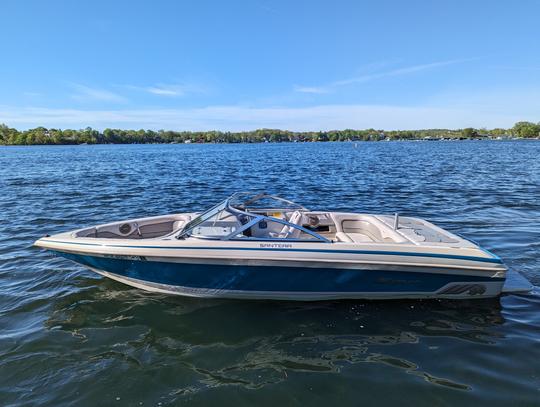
71 337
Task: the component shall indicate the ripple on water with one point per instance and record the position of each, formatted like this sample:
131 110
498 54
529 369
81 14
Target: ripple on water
70 337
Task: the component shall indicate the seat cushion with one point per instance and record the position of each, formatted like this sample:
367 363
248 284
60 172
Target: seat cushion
290 231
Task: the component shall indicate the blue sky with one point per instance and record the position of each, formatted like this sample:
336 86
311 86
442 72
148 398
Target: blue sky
240 65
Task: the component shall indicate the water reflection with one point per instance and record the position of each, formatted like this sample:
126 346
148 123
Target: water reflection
256 343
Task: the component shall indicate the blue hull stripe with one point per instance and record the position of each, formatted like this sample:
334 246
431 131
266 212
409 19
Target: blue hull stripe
493 259
270 278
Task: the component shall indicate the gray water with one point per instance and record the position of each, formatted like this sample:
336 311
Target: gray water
71 337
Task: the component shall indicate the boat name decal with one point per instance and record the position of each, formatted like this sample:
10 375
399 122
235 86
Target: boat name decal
125 257
276 245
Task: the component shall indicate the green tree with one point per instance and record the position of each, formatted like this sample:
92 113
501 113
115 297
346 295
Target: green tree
469 132
4 133
526 129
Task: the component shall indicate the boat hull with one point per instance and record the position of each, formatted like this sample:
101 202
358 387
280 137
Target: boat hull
280 281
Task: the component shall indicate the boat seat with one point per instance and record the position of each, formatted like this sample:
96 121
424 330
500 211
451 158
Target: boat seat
290 231
353 237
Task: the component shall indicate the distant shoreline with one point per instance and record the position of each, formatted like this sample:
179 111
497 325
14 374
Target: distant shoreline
277 142
44 136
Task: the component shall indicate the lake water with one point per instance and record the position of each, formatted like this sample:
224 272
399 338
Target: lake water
71 337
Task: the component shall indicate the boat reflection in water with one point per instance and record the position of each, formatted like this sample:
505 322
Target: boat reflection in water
264 342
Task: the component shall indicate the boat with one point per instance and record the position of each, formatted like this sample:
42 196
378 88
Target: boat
262 246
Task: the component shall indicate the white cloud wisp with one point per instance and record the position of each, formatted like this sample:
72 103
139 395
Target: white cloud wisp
236 118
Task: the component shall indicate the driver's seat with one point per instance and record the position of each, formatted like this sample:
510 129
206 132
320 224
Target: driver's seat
290 232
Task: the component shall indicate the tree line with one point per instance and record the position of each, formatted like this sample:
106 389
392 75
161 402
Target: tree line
44 136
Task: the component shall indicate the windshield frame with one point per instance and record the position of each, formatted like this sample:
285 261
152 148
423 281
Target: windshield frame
227 205
203 217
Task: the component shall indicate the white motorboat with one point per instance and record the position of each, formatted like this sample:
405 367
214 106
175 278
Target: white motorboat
265 247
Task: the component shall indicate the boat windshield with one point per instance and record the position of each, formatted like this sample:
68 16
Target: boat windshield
203 217
247 216
254 202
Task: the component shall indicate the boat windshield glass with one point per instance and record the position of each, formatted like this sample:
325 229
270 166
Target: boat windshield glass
236 218
251 202
203 217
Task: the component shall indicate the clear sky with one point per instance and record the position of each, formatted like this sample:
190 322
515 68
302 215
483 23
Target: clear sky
240 65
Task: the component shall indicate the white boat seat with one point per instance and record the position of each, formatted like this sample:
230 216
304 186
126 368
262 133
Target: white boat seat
353 237
290 231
